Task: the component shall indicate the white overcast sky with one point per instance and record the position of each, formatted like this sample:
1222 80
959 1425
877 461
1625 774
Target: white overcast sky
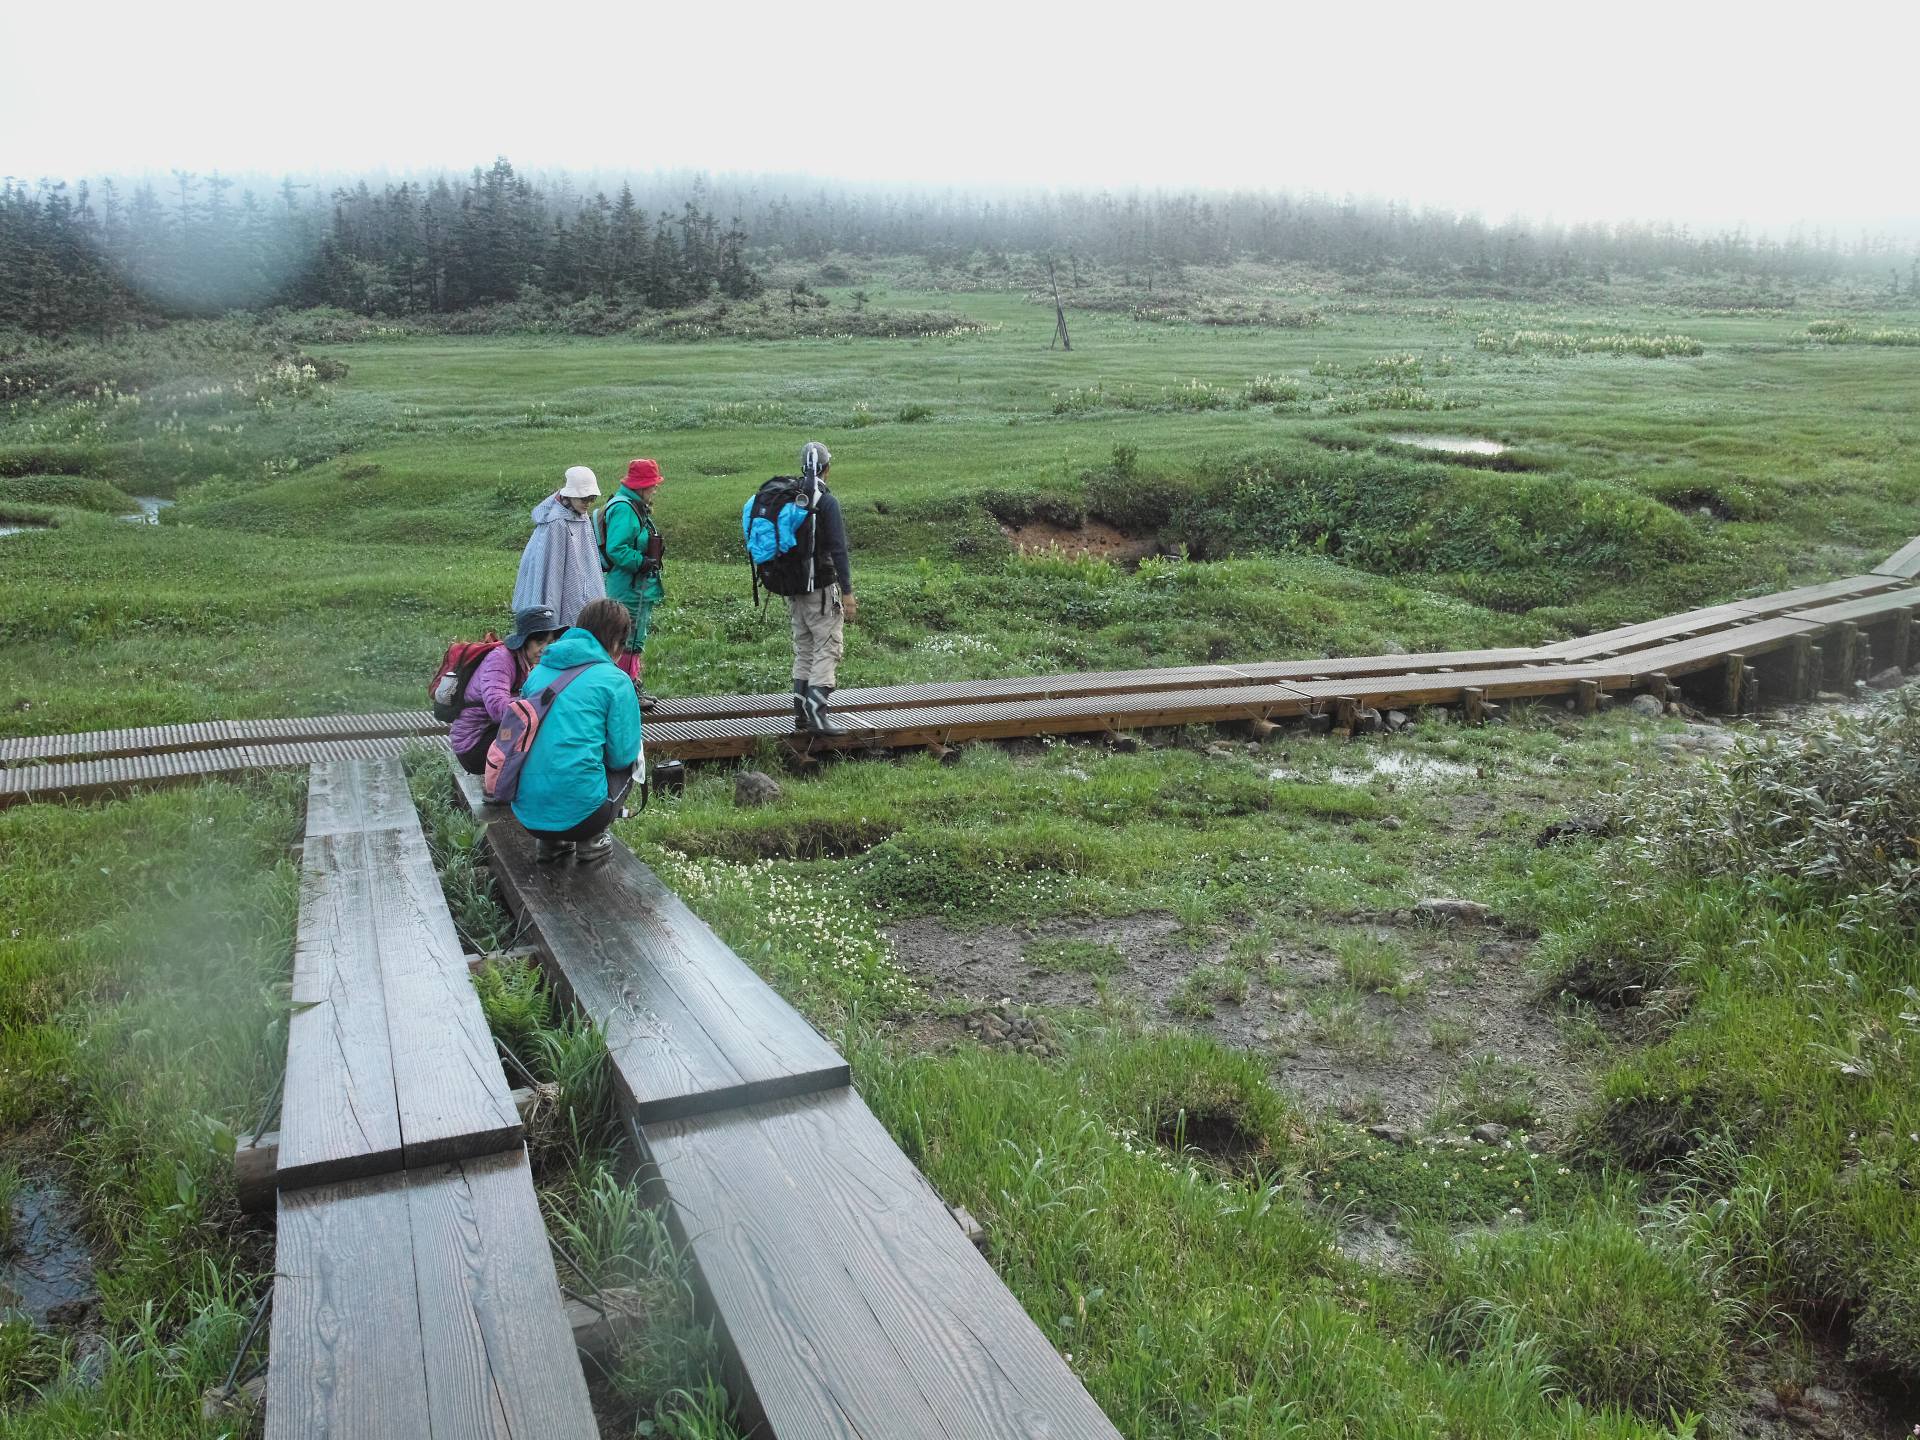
1708 113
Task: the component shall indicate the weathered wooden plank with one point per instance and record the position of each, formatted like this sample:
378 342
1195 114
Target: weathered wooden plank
339 1114
344 1347
453 1094
1785 602
689 1026
1904 563
358 796
1867 610
497 1344
389 1060
853 1304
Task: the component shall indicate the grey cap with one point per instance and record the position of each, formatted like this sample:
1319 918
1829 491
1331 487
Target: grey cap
532 621
814 460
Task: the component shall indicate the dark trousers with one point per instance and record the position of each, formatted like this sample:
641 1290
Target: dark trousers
474 761
618 784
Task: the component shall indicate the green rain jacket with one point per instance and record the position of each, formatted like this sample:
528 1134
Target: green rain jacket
627 529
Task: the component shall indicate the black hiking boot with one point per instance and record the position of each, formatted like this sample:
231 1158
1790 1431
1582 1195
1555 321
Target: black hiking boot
800 725
545 852
596 849
647 701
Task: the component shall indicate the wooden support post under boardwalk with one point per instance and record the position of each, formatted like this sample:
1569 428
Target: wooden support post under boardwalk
1799 667
1816 671
1734 669
1474 702
1850 657
1750 689
1589 696
1901 645
1345 715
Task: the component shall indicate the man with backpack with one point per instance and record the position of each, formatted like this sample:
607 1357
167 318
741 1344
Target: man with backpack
566 756
797 542
630 552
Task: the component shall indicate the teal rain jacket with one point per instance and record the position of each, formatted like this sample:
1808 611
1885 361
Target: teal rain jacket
594 727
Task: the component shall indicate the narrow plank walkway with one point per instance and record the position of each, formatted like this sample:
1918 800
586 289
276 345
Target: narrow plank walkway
852 1304
945 713
215 735
855 1303
414 1290
689 1026
389 1060
421 1305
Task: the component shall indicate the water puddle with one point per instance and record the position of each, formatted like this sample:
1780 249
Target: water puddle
149 511
1399 765
45 1270
1450 444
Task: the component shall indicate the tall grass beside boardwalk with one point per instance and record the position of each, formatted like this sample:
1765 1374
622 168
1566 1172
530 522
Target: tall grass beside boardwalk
143 1024
1774 906
1193 1301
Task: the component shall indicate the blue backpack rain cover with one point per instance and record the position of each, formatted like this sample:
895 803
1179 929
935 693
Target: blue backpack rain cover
777 526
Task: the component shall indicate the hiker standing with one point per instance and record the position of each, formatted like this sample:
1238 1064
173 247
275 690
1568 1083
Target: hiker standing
497 679
820 612
631 551
582 760
560 568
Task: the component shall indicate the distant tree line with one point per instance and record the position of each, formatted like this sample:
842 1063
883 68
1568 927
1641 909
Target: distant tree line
94 256
1142 230
86 258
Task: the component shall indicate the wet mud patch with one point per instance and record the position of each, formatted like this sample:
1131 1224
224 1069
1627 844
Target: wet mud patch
1092 539
1370 1020
46 1270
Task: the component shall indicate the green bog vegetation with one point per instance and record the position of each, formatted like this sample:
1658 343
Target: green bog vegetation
1228 1158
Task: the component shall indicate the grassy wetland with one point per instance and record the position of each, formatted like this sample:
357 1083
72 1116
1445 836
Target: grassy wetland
1263 1152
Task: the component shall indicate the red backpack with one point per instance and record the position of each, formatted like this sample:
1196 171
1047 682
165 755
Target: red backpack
448 688
519 728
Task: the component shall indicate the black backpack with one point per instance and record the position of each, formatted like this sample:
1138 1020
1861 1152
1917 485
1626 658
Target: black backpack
777 525
653 552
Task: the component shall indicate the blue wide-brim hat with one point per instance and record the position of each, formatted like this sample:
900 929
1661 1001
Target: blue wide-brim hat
532 621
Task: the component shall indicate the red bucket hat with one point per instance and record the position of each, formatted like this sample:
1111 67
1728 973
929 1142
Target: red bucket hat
642 475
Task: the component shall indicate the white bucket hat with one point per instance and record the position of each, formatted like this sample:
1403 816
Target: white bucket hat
580 482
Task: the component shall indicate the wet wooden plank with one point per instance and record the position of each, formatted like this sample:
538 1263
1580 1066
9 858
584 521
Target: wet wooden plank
339 1114
689 1026
852 1303
344 1355
498 1346
389 1060
453 1094
1904 563
358 797
1867 610
421 1303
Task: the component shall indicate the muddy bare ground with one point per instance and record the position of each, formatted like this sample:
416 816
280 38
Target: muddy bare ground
1094 538
1470 998
46 1272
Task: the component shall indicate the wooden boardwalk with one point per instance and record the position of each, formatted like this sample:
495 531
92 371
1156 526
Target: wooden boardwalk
1868 619
414 1291
853 1305
389 1060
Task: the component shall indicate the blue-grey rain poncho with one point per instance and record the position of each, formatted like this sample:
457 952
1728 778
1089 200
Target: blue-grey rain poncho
560 567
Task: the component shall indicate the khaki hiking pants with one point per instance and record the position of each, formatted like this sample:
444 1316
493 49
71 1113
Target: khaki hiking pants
819 636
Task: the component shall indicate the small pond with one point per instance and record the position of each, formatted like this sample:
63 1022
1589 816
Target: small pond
1450 444
45 1270
149 511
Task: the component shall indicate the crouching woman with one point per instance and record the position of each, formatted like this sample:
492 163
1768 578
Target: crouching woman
496 682
582 761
